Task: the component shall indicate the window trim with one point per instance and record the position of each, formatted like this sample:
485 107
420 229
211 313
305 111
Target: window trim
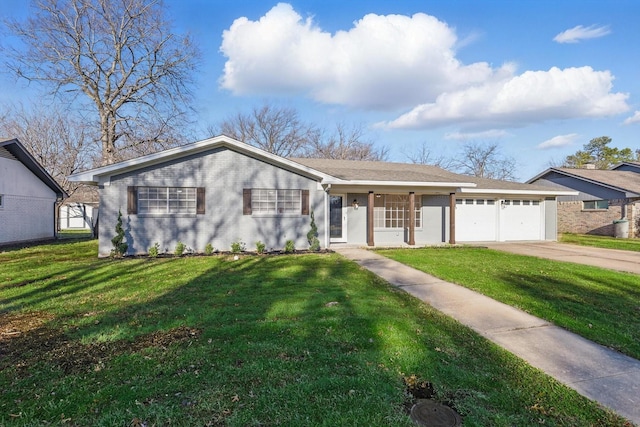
595 205
248 205
385 210
133 207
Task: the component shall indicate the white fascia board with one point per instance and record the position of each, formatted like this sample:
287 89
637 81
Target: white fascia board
519 192
416 184
103 174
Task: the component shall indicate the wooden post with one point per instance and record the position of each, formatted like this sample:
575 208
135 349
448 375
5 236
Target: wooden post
452 218
412 218
370 203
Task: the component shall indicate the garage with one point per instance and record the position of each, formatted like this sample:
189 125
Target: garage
487 220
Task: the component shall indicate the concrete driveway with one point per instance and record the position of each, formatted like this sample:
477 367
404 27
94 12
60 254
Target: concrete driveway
606 258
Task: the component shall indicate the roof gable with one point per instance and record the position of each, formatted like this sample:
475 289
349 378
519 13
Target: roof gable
20 153
620 180
104 173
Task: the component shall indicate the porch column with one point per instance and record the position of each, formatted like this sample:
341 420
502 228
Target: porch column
370 202
452 218
412 218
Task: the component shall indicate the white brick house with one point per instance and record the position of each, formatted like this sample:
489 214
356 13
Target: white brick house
28 196
219 191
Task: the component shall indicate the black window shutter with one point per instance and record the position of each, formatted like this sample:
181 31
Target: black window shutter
305 202
246 201
200 200
132 200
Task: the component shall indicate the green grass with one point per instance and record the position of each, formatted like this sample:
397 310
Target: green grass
599 304
264 340
601 242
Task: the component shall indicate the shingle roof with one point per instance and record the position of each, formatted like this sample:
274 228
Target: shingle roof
624 180
357 170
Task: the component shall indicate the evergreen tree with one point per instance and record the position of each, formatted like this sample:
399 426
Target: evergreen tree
119 245
312 235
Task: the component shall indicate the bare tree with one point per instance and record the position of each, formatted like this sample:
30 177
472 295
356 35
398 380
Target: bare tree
278 130
120 55
424 156
485 161
345 143
58 142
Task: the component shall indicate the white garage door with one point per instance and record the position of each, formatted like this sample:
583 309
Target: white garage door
521 220
476 220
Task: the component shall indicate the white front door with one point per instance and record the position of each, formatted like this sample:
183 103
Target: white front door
337 218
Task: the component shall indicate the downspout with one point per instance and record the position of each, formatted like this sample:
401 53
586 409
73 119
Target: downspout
452 218
327 219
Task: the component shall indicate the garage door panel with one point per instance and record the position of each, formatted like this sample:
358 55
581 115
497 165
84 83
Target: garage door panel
521 220
476 220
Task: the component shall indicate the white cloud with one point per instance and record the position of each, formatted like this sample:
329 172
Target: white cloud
381 62
487 134
404 62
558 141
633 119
533 96
577 33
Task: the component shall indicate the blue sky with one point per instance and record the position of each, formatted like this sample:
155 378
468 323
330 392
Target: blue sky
541 78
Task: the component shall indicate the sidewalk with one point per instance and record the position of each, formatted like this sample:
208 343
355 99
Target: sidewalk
594 371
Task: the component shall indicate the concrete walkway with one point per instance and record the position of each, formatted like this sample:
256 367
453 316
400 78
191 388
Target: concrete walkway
612 259
596 372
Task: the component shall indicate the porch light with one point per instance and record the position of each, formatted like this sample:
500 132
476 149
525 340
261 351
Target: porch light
355 204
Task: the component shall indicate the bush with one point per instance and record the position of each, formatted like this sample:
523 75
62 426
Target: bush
119 245
208 250
179 250
312 235
260 247
154 250
238 246
289 247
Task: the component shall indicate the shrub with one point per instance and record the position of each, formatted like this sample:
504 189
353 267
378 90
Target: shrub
312 235
289 247
119 245
179 250
260 247
208 249
154 250
238 246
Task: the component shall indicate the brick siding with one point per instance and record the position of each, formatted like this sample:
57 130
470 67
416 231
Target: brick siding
573 219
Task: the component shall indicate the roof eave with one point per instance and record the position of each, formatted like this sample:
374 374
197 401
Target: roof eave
519 192
103 174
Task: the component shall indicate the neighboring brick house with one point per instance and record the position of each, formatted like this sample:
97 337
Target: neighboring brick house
604 196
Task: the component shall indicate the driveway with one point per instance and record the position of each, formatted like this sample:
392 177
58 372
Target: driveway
606 258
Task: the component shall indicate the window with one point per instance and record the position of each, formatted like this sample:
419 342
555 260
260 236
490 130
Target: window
1 201
480 202
392 211
491 202
165 200
595 204
271 201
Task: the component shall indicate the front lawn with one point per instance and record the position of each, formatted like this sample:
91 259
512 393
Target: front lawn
599 304
601 242
300 340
